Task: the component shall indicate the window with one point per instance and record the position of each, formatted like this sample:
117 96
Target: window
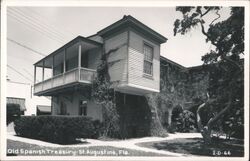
148 59
58 63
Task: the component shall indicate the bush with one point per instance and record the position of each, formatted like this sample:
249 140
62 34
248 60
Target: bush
184 122
56 129
98 129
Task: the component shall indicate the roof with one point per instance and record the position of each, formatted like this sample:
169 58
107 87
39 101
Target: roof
18 101
125 21
43 108
131 21
203 66
75 40
172 62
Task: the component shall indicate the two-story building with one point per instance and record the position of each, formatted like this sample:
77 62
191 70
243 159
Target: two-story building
135 69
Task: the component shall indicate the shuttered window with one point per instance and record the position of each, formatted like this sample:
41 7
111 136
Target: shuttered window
148 59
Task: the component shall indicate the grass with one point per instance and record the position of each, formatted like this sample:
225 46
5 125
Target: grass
17 148
196 146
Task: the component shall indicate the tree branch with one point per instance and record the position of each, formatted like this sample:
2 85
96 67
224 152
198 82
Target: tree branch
217 13
222 112
228 106
203 14
199 121
231 61
205 33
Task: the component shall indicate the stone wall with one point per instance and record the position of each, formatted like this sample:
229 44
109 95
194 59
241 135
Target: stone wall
181 87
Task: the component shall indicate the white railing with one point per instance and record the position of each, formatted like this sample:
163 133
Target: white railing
86 76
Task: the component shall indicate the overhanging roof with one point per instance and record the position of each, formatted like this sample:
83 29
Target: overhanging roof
18 101
74 41
131 21
43 108
164 59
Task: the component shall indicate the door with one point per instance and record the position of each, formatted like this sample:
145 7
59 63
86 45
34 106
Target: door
83 108
63 108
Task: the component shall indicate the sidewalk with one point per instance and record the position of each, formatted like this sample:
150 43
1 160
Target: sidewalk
129 143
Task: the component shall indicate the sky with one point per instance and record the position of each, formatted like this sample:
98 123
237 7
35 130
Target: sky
45 29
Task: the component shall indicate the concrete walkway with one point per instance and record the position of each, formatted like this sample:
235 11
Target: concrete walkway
128 144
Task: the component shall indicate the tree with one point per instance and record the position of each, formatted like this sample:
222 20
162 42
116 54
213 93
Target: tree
227 37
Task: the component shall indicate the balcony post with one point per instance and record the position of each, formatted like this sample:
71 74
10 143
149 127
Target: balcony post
34 74
43 71
79 61
64 64
52 68
52 73
64 61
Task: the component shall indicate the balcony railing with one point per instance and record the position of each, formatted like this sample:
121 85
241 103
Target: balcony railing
82 75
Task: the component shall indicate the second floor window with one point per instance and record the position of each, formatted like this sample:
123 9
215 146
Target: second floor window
148 59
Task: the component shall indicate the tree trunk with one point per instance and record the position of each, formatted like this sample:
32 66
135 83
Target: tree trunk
156 128
170 116
206 130
206 134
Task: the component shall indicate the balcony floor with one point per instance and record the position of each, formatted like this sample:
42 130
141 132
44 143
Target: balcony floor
76 86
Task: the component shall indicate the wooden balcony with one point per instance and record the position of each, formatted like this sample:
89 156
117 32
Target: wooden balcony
79 75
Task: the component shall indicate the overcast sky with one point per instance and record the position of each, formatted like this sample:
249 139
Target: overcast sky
45 29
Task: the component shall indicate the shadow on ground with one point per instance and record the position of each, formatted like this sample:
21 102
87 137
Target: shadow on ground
196 146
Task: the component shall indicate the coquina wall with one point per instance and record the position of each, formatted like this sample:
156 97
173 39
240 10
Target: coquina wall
180 86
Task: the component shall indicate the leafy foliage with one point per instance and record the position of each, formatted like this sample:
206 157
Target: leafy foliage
227 36
226 79
233 124
56 129
103 93
183 120
156 127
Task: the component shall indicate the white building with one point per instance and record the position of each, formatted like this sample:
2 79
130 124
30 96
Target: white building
25 91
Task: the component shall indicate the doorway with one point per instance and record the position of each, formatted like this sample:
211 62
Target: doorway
63 108
83 108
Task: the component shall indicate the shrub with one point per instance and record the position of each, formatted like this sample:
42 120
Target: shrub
184 122
26 126
98 129
56 129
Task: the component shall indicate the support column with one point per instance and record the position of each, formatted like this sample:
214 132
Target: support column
79 55
43 72
52 68
64 61
34 74
64 64
79 61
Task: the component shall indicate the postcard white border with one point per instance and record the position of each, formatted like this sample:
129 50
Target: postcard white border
121 3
